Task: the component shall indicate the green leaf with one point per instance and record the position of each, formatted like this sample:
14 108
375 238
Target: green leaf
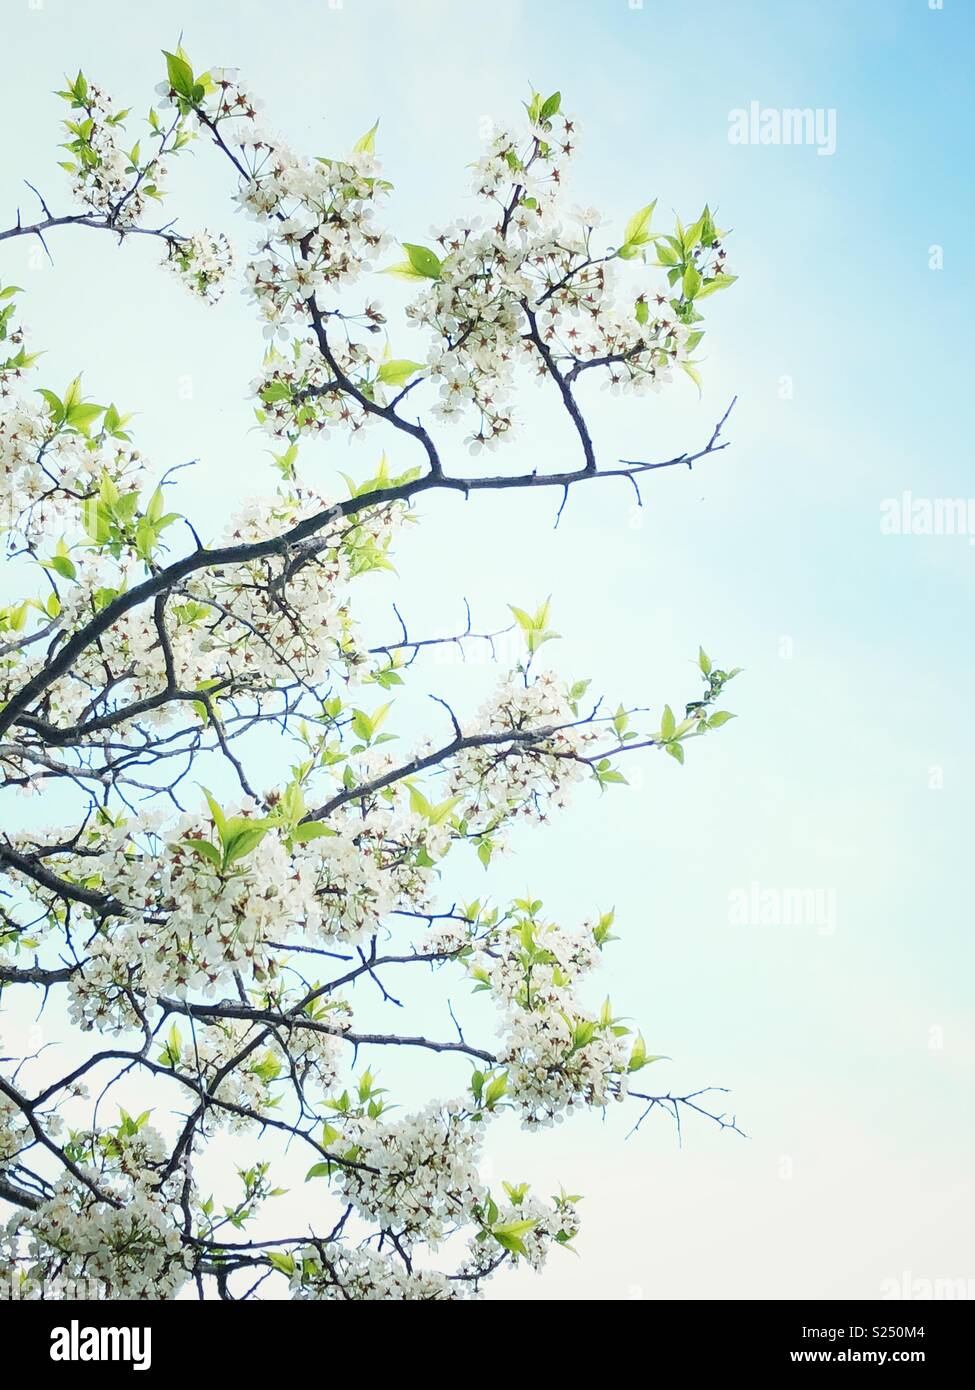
54 403
719 282
720 717
398 370
693 373
634 233
154 506
637 232
439 813
496 1090
666 255
62 566
219 819
639 1057
205 850
242 842
704 661
510 1242
366 143
403 270
276 391
667 722
107 491
514 1228
180 75
310 830
423 260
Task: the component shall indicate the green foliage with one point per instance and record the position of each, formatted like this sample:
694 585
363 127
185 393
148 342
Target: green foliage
398 371
535 626
237 837
637 232
188 90
114 522
421 264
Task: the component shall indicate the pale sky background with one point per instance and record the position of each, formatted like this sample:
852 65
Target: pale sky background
849 769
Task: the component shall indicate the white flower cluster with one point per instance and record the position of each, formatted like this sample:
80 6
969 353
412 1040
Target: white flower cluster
524 172
540 1225
247 1085
529 290
47 471
191 923
447 937
475 308
202 261
313 1054
13 1129
419 1175
558 1055
334 1273
135 1250
286 617
373 864
558 1060
130 658
190 919
105 178
300 393
281 619
125 1234
316 216
520 780
15 360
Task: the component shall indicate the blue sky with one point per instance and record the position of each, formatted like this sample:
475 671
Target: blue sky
849 769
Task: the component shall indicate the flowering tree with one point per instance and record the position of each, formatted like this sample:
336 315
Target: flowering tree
205 944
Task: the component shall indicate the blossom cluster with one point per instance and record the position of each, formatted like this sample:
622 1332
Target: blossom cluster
105 177
301 393
240 1078
315 216
202 261
13 1128
15 360
188 924
48 469
529 289
112 1223
281 619
334 1272
558 1054
538 1226
187 912
501 781
418 1175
